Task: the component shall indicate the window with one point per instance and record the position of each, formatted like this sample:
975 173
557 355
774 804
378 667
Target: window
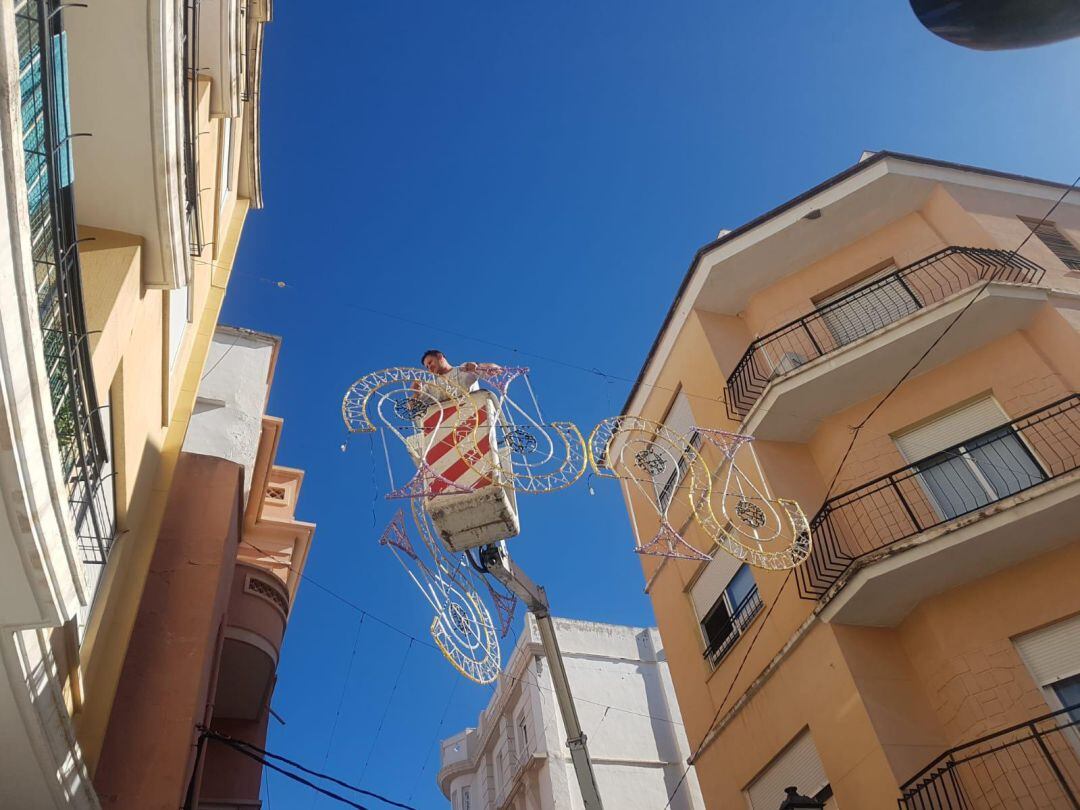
679 420
797 765
1059 244
523 733
731 614
466 802
1052 655
870 304
1068 692
226 158
725 600
972 472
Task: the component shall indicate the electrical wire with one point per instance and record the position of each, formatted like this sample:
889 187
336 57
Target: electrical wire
386 710
421 642
263 755
911 370
435 740
341 698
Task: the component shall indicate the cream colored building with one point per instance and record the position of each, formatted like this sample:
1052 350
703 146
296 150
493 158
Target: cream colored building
940 602
516 756
131 144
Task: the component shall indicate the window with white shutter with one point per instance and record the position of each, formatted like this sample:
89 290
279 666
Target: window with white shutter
1060 245
967 458
726 600
1052 655
680 421
797 766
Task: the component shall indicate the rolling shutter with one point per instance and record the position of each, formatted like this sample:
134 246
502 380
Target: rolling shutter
797 765
679 421
1052 653
1059 244
710 585
950 428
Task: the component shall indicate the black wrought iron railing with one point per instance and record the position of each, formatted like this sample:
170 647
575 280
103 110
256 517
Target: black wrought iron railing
736 625
191 126
54 246
961 479
1032 764
865 310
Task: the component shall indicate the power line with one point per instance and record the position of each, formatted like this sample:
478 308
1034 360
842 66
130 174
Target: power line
593 371
263 756
414 640
435 741
911 370
341 698
386 709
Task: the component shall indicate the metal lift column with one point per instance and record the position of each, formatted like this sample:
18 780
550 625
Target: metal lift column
496 563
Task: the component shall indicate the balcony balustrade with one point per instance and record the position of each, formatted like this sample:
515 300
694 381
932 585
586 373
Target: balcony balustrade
1033 764
191 126
991 467
49 176
865 310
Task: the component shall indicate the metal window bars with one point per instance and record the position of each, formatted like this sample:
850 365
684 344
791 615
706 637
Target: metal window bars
740 619
863 311
1032 764
190 60
985 469
54 246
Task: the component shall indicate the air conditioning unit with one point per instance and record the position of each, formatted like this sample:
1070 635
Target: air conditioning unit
789 361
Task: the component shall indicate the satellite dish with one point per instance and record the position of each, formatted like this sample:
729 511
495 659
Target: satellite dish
994 25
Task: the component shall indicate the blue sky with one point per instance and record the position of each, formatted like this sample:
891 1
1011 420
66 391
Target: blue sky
539 175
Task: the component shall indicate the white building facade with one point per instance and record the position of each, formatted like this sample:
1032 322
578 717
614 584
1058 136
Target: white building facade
516 756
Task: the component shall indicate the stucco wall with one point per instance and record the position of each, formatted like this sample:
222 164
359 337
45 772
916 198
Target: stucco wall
227 419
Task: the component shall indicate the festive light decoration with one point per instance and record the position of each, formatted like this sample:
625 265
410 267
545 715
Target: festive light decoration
662 465
462 627
766 532
448 432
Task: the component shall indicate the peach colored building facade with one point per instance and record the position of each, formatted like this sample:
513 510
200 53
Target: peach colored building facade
940 602
213 615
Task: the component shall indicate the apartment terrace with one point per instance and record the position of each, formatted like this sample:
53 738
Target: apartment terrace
923 288
997 497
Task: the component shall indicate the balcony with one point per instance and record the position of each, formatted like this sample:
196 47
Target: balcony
973 508
734 627
1033 764
80 435
254 629
848 349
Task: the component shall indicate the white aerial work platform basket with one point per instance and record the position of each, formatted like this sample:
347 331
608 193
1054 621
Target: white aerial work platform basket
489 512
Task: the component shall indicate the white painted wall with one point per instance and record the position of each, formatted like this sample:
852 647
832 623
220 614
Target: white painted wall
227 419
638 745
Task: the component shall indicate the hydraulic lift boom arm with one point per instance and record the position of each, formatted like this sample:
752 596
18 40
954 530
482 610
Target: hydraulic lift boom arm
497 563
